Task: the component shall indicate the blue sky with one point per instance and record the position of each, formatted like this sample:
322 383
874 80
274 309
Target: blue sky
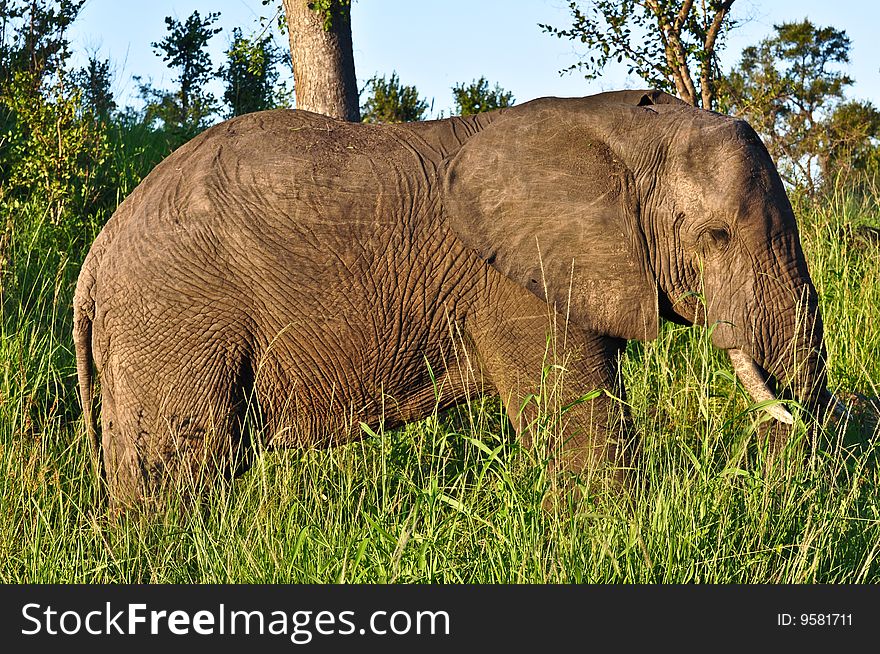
435 44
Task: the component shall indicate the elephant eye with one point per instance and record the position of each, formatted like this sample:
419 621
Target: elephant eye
715 238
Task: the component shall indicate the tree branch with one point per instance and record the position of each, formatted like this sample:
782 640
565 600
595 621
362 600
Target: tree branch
676 57
706 89
682 15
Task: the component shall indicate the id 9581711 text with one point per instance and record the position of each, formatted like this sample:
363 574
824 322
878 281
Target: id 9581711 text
814 619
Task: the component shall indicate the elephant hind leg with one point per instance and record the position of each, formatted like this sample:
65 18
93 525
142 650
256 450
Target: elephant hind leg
174 438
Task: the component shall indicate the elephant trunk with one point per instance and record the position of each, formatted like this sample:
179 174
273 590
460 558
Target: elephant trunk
792 359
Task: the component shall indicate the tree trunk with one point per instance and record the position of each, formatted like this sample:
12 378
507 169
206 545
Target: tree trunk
323 62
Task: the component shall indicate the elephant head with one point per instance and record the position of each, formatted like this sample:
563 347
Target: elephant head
625 207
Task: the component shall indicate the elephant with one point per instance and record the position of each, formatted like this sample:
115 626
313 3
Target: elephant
334 274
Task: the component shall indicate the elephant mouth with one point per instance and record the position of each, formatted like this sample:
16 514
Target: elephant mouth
753 378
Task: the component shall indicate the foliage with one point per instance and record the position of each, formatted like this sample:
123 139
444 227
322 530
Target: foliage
476 97
790 87
94 82
326 10
33 49
189 108
391 102
851 148
671 44
330 9
250 74
63 162
54 150
32 37
51 150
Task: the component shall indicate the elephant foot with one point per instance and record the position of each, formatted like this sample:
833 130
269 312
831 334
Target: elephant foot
577 481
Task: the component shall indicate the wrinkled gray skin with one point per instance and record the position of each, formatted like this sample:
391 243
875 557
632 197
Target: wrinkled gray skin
326 270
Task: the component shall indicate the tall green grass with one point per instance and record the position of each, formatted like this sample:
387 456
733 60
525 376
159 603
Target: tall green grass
454 498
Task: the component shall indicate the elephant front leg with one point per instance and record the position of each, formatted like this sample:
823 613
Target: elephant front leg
561 387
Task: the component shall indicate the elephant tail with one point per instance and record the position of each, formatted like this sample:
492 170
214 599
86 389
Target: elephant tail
83 316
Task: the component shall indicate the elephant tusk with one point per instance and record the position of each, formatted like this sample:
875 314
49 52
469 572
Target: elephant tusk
751 377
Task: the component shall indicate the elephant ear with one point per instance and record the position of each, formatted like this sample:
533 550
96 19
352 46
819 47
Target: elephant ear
541 197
